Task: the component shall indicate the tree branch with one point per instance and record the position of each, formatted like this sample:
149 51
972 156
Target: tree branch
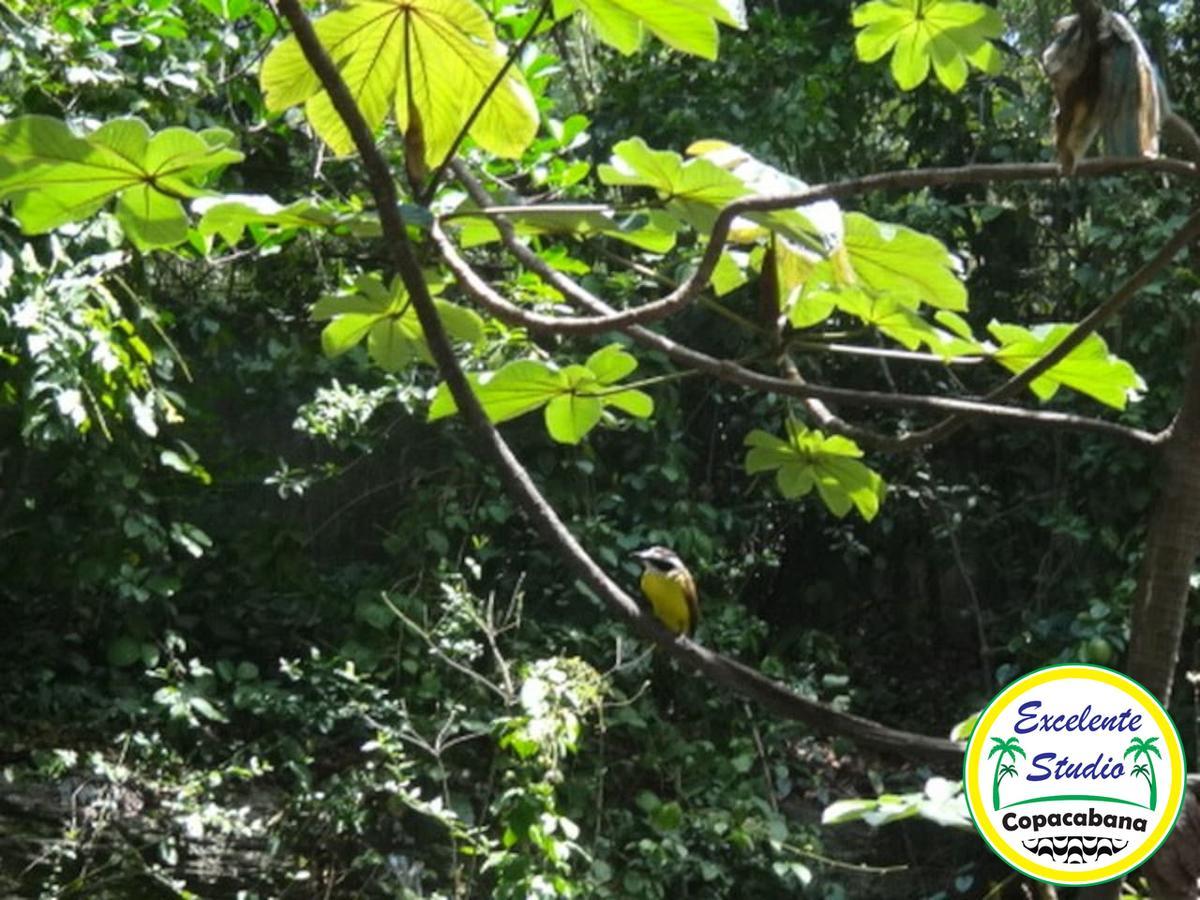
906 179
724 671
728 370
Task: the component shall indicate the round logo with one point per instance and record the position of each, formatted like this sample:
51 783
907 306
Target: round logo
1074 774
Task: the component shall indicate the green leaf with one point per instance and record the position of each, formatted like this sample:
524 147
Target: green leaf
636 403
610 364
945 34
123 651
388 321
686 25
516 388
54 177
847 811
694 189
667 817
428 61
569 417
897 261
718 173
649 230
229 215
808 459
574 398
816 225
1089 368
728 274
902 324
962 730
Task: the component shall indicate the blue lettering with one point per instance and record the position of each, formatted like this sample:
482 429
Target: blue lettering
1038 764
1028 714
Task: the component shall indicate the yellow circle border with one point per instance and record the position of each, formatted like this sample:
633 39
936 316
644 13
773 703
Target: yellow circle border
1131 689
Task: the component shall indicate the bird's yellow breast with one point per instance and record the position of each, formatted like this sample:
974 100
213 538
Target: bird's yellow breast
670 601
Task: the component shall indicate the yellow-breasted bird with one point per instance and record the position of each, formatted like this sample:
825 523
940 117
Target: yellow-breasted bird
670 588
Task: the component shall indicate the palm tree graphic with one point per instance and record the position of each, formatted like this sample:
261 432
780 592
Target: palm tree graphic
1006 750
1145 749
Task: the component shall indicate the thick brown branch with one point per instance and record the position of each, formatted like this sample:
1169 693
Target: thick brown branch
726 672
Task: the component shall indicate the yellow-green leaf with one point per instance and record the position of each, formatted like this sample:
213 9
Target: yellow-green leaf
904 264
686 25
428 61
948 35
806 459
53 176
1089 368
385 317
574 398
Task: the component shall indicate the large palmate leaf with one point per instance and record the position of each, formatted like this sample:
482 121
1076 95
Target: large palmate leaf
949 34
697 189
53 176
902 324
574 398
807 458
822 220
429 61
1089 368
385 317
687 25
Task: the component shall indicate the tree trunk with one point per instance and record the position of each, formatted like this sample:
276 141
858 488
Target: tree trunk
1157 623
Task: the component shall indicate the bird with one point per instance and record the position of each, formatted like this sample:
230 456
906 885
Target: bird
670 588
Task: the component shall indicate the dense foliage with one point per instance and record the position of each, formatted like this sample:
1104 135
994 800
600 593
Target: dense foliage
279 634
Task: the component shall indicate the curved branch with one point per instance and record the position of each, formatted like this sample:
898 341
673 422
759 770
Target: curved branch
906 179
726 672
727 370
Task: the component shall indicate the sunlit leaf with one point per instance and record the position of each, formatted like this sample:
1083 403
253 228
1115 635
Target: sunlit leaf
902 324
427 61
53 176
806 459
718 173
728 274
1089 368
946 35
574 398
386 318
818 225
686 25
904 264
231 214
